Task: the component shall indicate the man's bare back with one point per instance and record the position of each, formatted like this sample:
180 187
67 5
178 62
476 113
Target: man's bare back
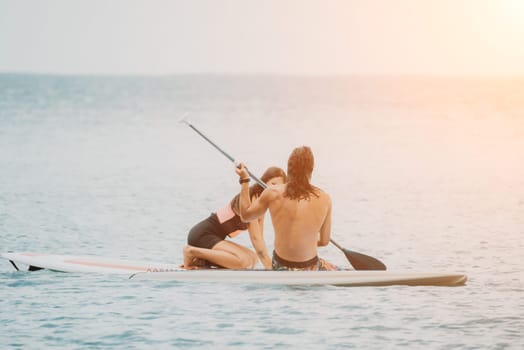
300 225
300 212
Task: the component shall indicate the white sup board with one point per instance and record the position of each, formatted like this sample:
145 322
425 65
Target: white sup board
336 278
145 270
72 263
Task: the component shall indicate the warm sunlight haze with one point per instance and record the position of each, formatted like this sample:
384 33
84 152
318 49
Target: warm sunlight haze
382 206
402 37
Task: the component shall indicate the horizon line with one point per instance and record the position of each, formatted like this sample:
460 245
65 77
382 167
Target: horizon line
268 74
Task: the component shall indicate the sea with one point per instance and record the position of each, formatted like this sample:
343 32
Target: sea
425 174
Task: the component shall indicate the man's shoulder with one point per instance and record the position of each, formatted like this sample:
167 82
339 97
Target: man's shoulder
323 196
321 192
273 192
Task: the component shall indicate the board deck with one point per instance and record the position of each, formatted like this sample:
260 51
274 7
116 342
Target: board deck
146 270
72 263
336 278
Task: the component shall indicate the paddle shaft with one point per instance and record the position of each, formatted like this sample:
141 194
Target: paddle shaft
260 182
357 260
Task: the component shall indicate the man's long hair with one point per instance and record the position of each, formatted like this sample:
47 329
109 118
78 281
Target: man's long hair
299 168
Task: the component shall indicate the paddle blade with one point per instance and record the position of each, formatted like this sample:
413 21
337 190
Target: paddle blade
362 261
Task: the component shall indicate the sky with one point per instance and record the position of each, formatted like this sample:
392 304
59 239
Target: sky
299 37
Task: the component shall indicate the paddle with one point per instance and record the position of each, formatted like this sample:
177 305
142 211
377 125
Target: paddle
358 260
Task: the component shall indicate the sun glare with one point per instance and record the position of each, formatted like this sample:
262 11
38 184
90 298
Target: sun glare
513 12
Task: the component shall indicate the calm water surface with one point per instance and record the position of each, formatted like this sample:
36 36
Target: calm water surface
425 174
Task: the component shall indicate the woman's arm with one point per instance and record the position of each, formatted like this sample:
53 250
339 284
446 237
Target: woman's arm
256 234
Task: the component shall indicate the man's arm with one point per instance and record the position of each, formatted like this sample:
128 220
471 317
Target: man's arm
249 211
325 229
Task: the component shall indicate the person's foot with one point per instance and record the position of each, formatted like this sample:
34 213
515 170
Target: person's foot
188 257
191 262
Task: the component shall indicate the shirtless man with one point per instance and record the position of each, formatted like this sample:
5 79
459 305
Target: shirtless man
301 214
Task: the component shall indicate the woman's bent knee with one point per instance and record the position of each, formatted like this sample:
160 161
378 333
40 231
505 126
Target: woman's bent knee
248 261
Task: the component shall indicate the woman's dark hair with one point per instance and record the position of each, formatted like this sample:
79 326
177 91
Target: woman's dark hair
256 189
299 168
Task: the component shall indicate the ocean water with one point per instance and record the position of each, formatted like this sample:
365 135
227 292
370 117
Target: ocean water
426 174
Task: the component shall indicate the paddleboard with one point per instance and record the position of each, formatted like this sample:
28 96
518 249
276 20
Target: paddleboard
147 270
71 263
348 278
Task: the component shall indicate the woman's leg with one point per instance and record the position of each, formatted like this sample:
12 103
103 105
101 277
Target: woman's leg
225 254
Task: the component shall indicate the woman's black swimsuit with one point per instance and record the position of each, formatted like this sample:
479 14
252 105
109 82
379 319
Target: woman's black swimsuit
207 233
